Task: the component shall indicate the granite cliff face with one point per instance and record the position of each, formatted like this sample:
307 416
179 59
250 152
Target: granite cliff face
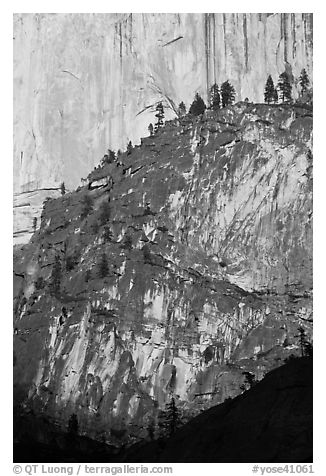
207 231
86 82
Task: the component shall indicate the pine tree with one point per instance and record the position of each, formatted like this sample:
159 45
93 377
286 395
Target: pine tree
103 266
305 346
160 116
72 260
182 111
151 430
249 381
73 426
147 254
104 160
112 156
275 96
169 419
107 234
269 94
308 349
40 283
227 93
304 81
87 206
147 210
105 213
34 224
62 188
197 106
285 88
150 129
214 97
127 242
95 227
129 148
302 339
55 279
109 157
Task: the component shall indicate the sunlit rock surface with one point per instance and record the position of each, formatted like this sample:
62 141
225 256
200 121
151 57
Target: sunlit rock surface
27 206
86 82
209 273
278 411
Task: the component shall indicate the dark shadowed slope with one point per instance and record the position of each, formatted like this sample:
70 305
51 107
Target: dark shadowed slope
272 422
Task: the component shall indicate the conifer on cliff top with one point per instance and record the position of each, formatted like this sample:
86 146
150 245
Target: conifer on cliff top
160 116
284 87
270 94
304 81
214 97
227 93
197 106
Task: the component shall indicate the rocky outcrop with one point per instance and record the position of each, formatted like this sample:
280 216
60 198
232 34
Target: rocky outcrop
28 207
85 82
206 230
